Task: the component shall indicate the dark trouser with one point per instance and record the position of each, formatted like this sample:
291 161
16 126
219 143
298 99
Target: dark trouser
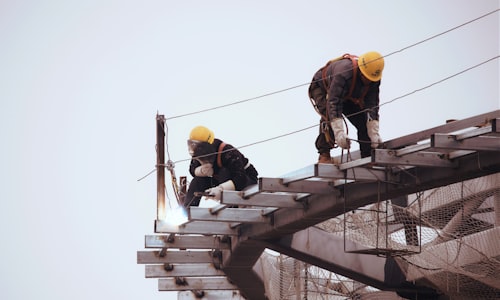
200 184
358 120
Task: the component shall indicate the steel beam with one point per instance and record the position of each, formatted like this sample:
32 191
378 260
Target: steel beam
185 242
412 139
210 295
278 199
329 252
305 186
198 227
160 167
190 283
480 143
175 257
423 159
183 270
322 207
330 171
245 215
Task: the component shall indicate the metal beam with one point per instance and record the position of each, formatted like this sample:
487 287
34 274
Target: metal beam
412 139
246 215
330 171
278 199
305 186
480 143
175 257
322 207
423 159
184 270
198 227
191 283
210 295
329 252
160 167
185 242
243 269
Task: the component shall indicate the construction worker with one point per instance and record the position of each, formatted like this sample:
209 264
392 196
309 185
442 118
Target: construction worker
348 86
215 166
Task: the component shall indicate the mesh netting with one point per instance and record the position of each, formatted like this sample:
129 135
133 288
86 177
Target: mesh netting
288 278
447 237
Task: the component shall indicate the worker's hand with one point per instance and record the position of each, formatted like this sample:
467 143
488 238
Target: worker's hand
340 137
216 192
373 132
204 170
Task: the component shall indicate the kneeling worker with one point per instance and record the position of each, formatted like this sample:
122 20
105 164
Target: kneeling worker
215 166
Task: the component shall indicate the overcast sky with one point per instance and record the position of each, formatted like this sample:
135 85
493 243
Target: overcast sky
82 81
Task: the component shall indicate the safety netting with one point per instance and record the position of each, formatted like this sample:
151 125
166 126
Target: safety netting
447 238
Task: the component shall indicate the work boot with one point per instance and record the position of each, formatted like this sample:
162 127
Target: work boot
325 158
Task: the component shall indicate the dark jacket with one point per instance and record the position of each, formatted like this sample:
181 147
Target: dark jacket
338 78
241 172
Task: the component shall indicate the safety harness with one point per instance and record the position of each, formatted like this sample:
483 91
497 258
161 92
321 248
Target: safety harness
325 126
219 154
354 59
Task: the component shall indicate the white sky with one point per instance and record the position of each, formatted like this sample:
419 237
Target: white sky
81 83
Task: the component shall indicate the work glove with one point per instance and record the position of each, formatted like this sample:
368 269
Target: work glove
373 133
204 170
216 192
340 137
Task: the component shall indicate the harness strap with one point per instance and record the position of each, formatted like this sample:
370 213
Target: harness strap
359 101
219 154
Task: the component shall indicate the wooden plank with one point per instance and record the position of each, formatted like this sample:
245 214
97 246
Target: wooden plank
184 270
175 257
191 283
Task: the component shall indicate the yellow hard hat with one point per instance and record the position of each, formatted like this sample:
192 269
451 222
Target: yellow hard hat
371 65
202 134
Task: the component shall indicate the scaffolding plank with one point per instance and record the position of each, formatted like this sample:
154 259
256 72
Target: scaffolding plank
479 143
211 295
190 283
244 215
183 270
198 227
185 242
423 159
280 200
174 257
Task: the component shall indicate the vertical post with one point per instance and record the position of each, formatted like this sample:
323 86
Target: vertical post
160 167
